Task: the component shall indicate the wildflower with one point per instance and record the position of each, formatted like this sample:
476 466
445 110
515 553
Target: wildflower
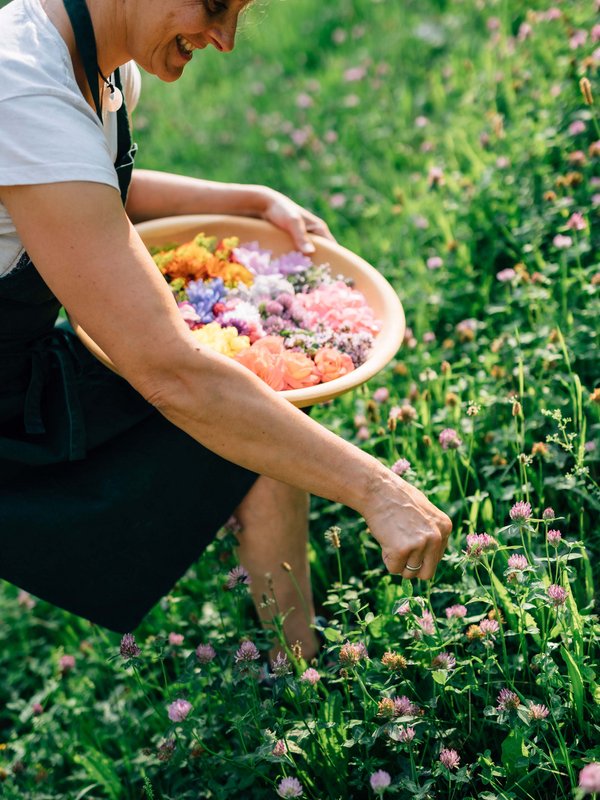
456 611
449 439
332 535
576 222
175 639
403 609
352 652
385 707
236 576
589 778
474 632
37 709
362 434
562 242
553 537
379 781
129 648
394 661
548 513
280 665
435 262
178 710
507 700
506 275
466 330
537 711
406 734
436 177
165 750
401 466
489 626
25 599
577 127
354 74
66 663
280 748
520 512
539 448
479 543
311 676
557 594
403 707
247 653
404 413
449 758
518 562
578 39
473 409
290 787
205 653
443 661
381 395
426 623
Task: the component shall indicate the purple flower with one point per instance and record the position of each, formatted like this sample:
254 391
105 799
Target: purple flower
352 652
548 513
520 512
589 778
291 263
506 275
175 639
443 661
449 758
435 262
290 787
165 750
37 709
66 663
280 665
178 710
247 653
489 626
254 258
202 295
403 707
449 439
401 466
507 700
577 127
457 611
518 561
557 594
380 780
236 576
479 543
311 676
129 648
553 537
205 653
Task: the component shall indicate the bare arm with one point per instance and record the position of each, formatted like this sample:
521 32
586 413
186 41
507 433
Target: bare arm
93 260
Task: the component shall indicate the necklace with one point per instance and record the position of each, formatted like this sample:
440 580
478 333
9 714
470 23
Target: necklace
112 98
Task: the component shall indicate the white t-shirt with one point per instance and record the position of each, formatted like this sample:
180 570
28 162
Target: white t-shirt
48 132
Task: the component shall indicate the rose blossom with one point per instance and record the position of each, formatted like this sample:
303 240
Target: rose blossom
332 364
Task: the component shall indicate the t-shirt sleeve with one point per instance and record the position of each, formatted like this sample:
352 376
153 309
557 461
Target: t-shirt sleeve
44 138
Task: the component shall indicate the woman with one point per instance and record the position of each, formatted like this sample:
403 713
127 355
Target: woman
92 466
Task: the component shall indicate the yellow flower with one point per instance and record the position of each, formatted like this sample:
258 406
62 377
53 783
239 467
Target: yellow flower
226 341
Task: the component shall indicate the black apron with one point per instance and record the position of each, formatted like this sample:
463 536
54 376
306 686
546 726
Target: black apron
104 504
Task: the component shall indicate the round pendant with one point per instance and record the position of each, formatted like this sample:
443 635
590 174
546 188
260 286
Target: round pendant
112 100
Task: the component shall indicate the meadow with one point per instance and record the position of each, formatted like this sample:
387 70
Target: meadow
455 145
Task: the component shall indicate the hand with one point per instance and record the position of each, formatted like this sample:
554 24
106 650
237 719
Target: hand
412 532
294 219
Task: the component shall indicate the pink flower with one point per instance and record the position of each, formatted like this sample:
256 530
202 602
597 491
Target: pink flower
537 711
506 275
589 778
176 639
337 200
66 663
247 653
401 466
520 512
128 647
449 758
403 609
507 700
553 537
299 370
489 626
37 709
426 623
25 599
518 561
352 652
354 74
577 127
339 307
548 513
178 710
406 734
290 787
332 364
578 39
576 222
524 32
362 434
280 665
380 780
557 594
381 395
280 748
421 121
436 177
205 653
311 676
443 661
304 100
449 439
403 707
562 242
435 262
457 611
479 543
264 359
237 576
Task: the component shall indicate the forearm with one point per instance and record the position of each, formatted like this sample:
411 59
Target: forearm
232 412
162 194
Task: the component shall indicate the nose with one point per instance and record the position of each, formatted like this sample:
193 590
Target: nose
223 37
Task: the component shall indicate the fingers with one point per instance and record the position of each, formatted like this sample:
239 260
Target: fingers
415 564
419 560
319 228
297 228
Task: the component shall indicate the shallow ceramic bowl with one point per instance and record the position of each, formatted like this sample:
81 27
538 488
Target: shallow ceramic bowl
377 291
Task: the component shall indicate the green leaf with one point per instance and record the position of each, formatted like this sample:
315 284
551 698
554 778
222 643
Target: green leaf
332 635
100 769
576 684
513 750
440 676
407 587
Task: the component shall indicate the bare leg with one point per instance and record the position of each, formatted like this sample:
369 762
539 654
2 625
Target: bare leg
274 520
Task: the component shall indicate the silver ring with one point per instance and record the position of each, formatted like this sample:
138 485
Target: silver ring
413 569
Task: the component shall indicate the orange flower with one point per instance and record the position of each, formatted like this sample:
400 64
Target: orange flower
264 359
332 364
188 261
299 370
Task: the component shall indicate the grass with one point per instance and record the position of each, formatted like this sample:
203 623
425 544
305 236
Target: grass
456 144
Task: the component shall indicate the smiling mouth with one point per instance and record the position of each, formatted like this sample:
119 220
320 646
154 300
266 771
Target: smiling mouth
185 47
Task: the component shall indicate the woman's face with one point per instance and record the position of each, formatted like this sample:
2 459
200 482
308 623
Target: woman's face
163 34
